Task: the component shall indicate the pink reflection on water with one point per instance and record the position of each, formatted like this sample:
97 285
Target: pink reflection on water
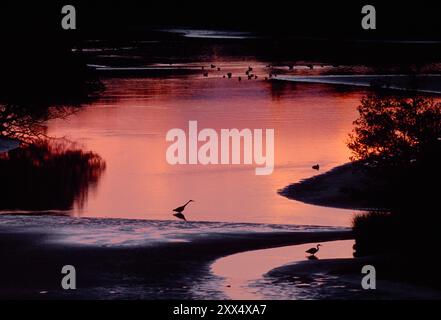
240 269
127 127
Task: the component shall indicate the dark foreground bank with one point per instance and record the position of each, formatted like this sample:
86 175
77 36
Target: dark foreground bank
114 259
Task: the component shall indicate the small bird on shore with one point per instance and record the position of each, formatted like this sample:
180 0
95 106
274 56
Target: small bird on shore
178 211
316 167
313 251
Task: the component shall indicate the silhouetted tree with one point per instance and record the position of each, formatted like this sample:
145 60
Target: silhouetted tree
27 123
401 138
395 130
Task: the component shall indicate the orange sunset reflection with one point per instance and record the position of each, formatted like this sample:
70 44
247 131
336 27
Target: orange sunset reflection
128 125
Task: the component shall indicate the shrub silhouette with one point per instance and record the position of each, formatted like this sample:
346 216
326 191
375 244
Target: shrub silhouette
47 175
395 130
399 138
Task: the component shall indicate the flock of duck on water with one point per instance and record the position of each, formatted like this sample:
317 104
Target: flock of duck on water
249 72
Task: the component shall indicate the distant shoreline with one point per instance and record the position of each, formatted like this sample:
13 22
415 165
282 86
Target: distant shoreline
422 83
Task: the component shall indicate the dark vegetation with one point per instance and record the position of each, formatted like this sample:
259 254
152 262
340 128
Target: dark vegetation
400 139
42 78
48 175
38 85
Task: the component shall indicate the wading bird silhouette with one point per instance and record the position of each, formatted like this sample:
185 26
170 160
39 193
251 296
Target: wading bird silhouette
313 251
178 211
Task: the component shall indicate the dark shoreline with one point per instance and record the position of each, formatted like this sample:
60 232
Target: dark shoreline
348 271
164 271
354 186
336 188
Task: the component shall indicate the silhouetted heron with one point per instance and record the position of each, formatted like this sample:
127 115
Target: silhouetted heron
313 251
178 211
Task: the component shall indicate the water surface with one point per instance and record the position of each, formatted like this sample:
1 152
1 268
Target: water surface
250 283
128 125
